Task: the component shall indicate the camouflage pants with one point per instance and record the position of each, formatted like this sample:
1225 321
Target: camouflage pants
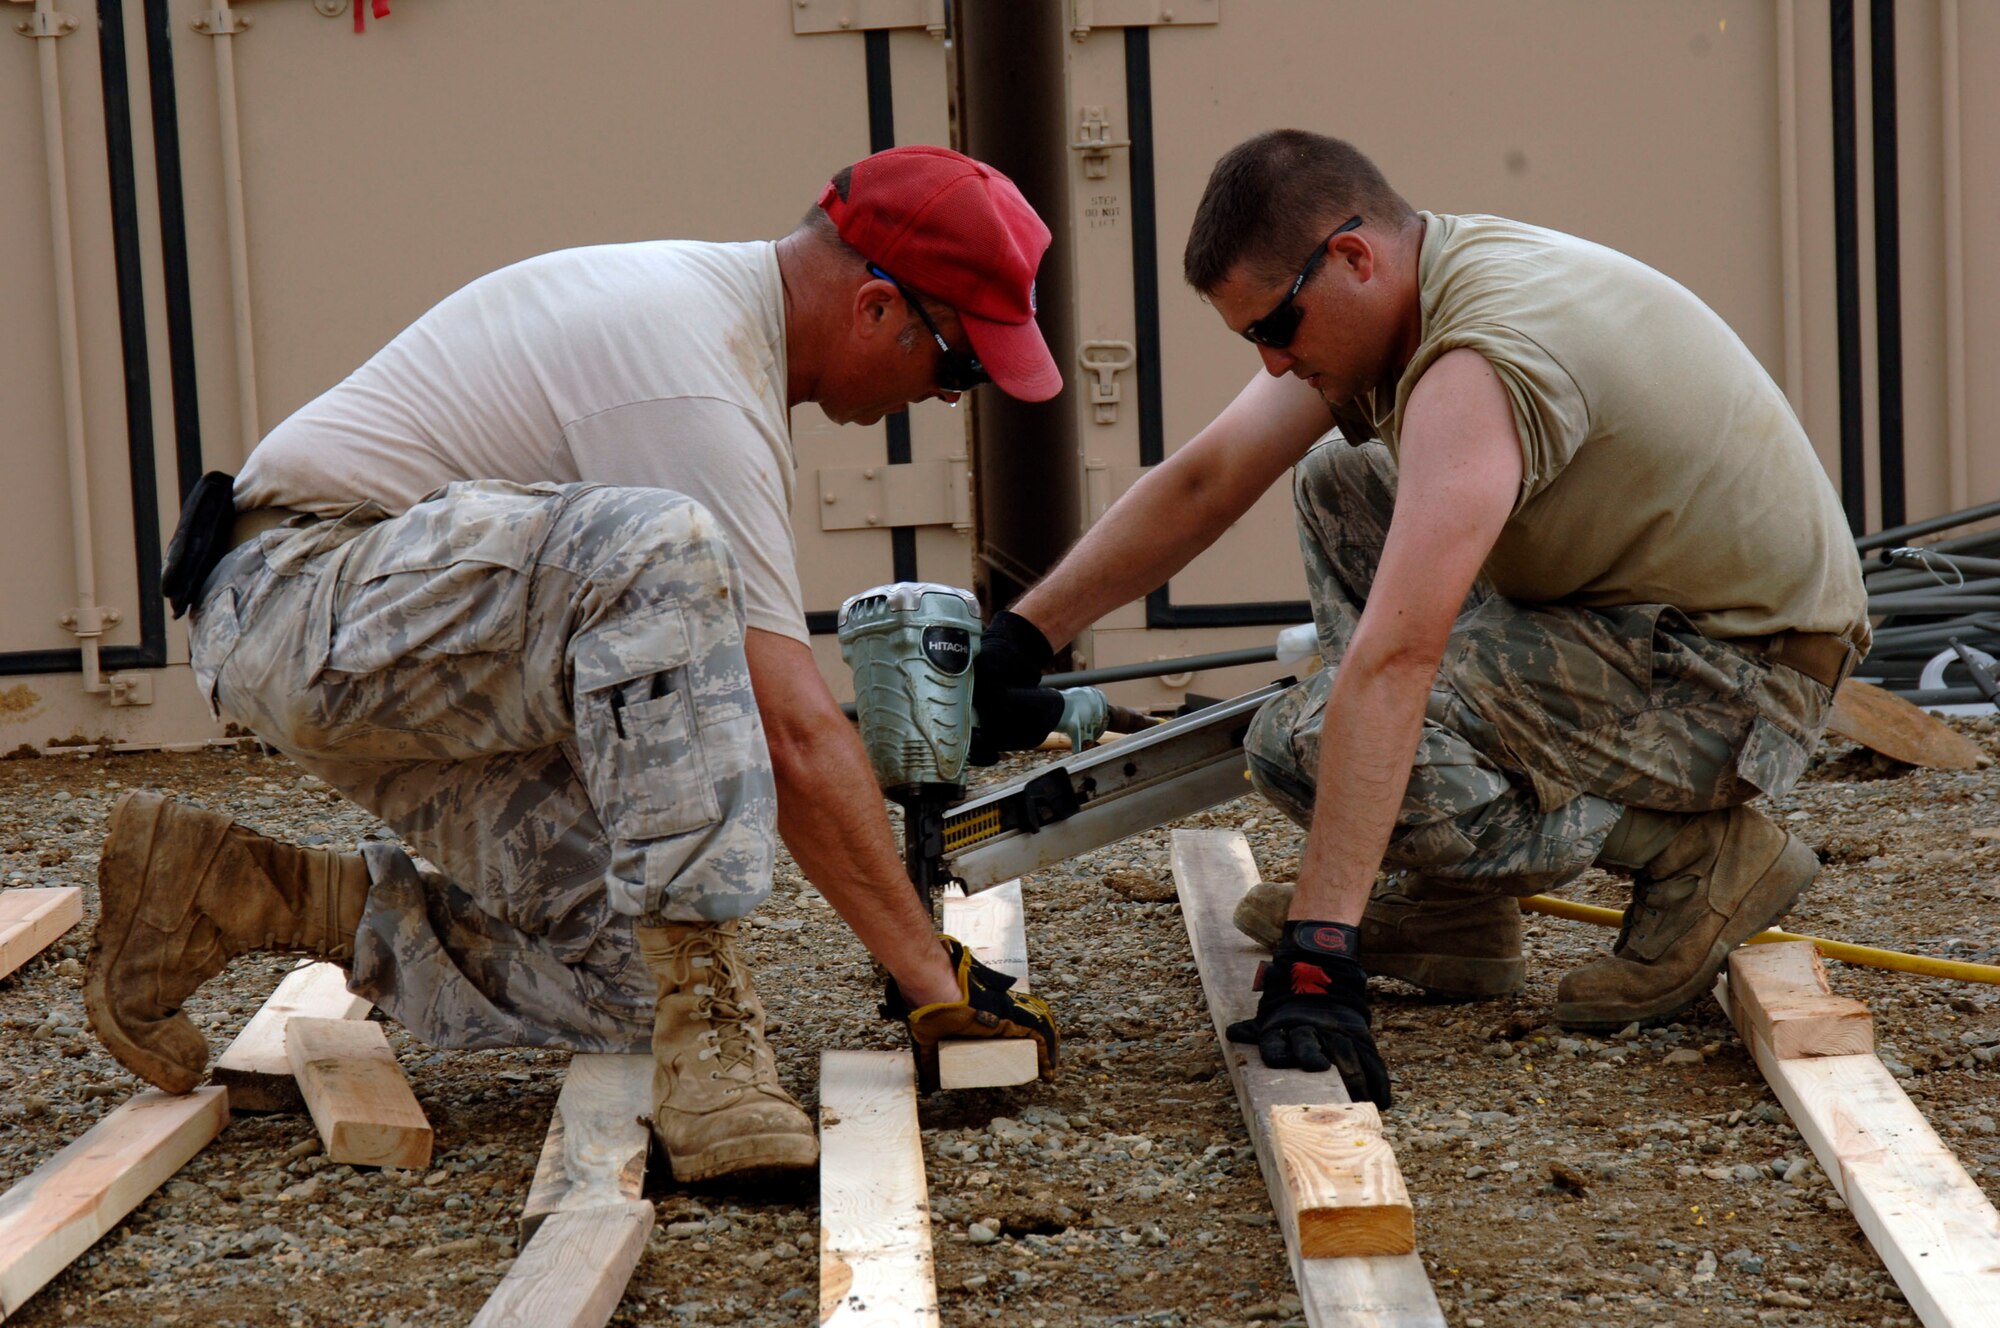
542 689
1545 722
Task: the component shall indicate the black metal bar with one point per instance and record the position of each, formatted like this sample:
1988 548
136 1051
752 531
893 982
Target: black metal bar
1888 261
1847 267
882 137
124 193
1883 539
1153 668
181 368
1145 245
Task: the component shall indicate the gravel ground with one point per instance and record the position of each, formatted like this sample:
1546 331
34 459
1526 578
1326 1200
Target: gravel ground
1559 1179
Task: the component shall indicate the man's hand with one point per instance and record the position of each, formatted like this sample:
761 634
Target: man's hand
1313 1013
1015 711
986 1008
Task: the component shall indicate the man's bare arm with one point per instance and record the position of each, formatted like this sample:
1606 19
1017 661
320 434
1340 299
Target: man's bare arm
1180 508
1459 476
832 819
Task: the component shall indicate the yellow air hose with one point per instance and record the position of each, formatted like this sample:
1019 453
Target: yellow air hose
1867 956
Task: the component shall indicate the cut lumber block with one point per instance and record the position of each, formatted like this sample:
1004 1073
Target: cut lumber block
574 1272
1342 1187
33 916
60 1210
875 1229
1932 1226
987 1063
1884 722
992 925
254 1068
360 1102
595 1152
1782 994
1212 869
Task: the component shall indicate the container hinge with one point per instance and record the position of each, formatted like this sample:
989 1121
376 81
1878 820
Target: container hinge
1088 14
1106 359
885 497
221 21
1094 142
812 16
47 23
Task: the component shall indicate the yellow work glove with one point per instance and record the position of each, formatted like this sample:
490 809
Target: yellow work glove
986 1008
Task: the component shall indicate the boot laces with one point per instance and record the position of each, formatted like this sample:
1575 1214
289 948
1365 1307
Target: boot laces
728 1040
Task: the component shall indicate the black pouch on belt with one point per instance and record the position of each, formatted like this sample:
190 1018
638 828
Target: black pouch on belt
199 540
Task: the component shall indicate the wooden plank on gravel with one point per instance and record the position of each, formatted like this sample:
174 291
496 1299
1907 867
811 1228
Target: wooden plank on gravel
1932 1226
60 1210
574 1272
875 1266
595 1152
254 1068
33 916
1786 1001
1212 869
991 924
360 1102
1342 1187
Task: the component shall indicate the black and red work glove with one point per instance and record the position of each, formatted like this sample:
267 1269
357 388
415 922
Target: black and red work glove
1013 710
1313 1012
987 1008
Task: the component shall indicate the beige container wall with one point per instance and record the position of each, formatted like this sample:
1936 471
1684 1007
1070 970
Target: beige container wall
379 172
1673 132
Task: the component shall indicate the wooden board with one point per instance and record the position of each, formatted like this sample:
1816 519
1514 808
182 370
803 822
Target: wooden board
1784 998
1930 1223
1342 1187
1884 722
992 924
65 1205
360 1103
1212 869
33 916
254 1067
875 1230
595 1152
575 1270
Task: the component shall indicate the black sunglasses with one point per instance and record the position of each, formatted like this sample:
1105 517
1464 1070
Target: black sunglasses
1277 328
957 370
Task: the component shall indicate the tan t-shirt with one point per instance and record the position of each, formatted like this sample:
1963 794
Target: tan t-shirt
1661 465
659 364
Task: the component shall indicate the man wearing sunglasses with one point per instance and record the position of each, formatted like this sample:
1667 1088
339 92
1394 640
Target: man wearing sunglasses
524 586
1581 584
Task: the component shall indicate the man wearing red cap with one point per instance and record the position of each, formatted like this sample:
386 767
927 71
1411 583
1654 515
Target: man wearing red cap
524 586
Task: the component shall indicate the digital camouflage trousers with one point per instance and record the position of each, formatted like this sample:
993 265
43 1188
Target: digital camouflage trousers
1545 722
542 689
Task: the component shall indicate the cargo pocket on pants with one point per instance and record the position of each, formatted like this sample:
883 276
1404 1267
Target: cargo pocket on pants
637 731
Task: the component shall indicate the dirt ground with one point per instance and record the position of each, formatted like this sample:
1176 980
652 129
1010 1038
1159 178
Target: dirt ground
1559 1179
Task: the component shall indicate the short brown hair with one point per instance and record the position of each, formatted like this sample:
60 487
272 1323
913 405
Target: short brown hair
1270 196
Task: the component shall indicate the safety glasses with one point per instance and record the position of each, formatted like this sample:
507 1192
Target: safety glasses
957 370
1277 328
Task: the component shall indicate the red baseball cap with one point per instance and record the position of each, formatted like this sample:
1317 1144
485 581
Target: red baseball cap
957 229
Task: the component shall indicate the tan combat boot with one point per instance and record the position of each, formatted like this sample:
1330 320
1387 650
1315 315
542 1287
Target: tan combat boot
1454 942
181 892
717 1106
1723 878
